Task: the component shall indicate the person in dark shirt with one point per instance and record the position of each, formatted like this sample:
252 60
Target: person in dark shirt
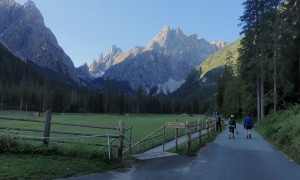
232 126
248 125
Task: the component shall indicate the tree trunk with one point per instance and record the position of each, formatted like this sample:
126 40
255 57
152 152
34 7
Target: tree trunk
44 104
1 103
21 104
262 89
275 98
106 103
275 81
258 99
299 69
26 106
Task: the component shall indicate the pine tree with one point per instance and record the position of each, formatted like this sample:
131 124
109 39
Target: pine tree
254 55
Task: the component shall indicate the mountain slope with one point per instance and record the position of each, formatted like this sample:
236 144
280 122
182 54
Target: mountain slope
219 58
201 83
23 30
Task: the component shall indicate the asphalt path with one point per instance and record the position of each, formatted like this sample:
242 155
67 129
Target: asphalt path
224 159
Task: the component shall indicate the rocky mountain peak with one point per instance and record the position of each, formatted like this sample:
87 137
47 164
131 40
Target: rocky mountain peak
97 68
84 65
165 30
92 67
83 71
164 64
29 4
114 50
7 3
220 44
23 30
32 14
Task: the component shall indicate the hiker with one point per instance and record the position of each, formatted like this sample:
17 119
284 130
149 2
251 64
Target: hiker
248 125
232 126
218 122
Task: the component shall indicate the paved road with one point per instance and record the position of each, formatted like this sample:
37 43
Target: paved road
224 159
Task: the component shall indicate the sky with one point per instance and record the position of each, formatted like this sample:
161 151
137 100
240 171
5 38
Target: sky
85 28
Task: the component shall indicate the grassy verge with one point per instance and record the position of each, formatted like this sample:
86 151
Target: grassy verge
282 129
23 166
195 146
27 161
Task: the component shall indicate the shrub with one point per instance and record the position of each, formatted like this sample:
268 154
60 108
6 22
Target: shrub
283 130
9 145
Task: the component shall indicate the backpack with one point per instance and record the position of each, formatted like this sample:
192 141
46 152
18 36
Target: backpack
219 119
231 121
248 121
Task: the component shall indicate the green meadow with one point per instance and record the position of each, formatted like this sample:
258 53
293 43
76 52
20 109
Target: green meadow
140 125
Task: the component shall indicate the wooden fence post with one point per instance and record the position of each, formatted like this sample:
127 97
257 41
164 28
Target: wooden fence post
121 138
199 131
164 138
176 138
47 126
214 124
188 133
222 123
207 127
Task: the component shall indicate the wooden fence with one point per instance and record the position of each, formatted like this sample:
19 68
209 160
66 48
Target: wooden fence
207 127
116 140
164 134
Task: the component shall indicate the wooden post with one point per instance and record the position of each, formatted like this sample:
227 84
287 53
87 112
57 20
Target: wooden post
199 131
207 127
164 138
221 123
21 104
47 126
188 133
214 125
130 141
121 138
176 138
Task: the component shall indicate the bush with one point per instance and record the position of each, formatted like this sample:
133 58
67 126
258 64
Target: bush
283 130
9 145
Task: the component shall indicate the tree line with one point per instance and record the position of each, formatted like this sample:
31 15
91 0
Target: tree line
267 74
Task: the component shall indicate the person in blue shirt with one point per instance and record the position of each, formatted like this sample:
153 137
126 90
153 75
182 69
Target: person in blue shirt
248 125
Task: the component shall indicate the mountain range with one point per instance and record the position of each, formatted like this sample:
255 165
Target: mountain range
161 67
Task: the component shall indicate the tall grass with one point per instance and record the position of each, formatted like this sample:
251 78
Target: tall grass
282 129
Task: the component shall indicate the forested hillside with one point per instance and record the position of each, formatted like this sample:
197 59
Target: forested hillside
199 90
267 76
225 55
25 86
